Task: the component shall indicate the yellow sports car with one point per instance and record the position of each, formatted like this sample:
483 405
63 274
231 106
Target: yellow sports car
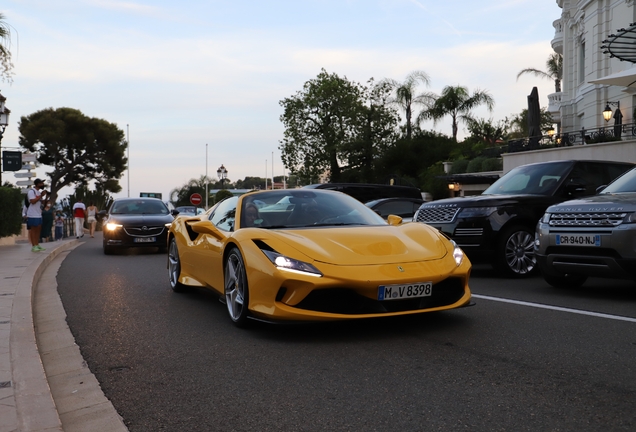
311 255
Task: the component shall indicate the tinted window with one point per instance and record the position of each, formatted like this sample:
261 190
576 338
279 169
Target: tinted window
139 206
539 179
399 208
626 183
224 215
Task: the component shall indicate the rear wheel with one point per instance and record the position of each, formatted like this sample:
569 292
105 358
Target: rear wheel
174 267
515 252
236 290
565 281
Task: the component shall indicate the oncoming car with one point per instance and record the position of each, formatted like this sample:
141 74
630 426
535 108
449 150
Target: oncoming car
325 256
136 222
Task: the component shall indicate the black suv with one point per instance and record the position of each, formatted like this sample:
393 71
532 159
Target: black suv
499 224
366 192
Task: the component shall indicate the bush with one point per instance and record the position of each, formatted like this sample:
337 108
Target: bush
459 166
10 211
492 164
475 165
221 195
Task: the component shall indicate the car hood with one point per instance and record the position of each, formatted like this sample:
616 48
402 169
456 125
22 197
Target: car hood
597 203
367 245
140 220
485 201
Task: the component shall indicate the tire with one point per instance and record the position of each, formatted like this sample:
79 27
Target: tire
174 267
236 289
514 256
108 250
565 281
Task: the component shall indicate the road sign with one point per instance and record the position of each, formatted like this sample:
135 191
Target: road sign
11 160
196 199
24 175
28 157
24 182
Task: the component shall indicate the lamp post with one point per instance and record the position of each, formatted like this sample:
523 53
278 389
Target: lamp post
607 112
222 173
4 121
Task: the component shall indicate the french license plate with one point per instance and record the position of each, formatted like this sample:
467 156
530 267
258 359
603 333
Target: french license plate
397 292
578 240
145 239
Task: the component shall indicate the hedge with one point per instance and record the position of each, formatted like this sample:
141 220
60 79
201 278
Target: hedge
10 211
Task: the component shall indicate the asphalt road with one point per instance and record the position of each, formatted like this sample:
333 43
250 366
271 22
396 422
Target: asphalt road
174 362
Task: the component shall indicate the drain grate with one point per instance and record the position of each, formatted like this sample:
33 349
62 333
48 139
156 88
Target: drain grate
5 384
5 322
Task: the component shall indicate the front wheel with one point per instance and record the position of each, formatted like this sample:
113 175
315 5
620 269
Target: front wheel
515 252
565 281
174 267
236 290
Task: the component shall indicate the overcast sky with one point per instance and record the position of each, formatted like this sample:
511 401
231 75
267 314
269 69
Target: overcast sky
182 74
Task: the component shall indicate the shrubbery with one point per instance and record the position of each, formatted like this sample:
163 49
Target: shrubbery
10 211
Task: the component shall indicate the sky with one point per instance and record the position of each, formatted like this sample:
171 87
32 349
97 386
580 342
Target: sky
195 84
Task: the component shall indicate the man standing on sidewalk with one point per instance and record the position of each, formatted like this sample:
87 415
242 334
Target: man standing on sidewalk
34 214
79 212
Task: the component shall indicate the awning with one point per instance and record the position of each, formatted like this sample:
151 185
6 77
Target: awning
624 78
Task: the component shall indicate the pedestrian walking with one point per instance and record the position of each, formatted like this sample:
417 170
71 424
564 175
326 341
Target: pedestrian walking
59 226
35 197
79 213
92 218
47 223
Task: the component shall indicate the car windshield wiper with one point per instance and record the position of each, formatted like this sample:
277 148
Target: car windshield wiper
337 224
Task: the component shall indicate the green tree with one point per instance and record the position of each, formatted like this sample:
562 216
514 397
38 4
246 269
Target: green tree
519 123
181 196
456 102
6 65
80 149
406 95
554 70
221 195
376 126
487 132
319 121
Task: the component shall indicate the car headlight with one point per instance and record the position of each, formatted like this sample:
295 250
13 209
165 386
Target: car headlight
630 218
458 254
546 218
110 226
468 212
168 225
292 265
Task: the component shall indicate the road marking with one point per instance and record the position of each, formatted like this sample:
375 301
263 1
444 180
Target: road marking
556 308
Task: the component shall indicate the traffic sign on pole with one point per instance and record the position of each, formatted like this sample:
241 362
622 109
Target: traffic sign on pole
24 174
24 182
196 199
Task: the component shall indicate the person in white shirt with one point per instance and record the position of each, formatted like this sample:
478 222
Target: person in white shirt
79 213
35 195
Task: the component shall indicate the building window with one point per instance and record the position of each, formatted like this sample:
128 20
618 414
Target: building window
582 63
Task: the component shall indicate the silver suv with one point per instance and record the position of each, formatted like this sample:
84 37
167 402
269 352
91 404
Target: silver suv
593 236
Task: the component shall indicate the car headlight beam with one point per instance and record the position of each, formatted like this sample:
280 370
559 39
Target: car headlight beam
110 226
285 263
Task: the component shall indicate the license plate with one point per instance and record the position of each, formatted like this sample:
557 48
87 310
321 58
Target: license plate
578 240
397 292
145 239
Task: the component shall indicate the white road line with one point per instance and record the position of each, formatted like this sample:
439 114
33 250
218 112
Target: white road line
557 308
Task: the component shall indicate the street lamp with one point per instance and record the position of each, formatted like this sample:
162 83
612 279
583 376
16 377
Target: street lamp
607 112
4 121
222 173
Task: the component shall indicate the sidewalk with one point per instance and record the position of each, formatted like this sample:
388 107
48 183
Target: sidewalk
45 384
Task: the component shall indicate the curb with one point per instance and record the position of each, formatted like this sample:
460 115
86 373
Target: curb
36 410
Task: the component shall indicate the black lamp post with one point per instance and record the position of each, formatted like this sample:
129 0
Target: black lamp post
222 173
4 121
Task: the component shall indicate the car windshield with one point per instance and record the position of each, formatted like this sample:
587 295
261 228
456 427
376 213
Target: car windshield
295 208
541 179
623 184
139 206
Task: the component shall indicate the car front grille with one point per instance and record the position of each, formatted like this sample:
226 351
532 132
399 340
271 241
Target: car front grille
586 219
144 231
436 214
469 232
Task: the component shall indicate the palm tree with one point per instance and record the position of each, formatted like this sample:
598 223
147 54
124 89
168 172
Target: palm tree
406 97
5 54
554 66
455 101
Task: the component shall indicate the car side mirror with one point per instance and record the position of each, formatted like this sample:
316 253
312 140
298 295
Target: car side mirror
600 188
205 227
174 212
102 213
394 220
